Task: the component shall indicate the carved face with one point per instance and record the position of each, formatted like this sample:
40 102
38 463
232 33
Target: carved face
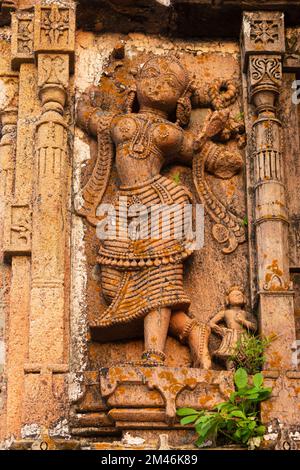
236 297
161 82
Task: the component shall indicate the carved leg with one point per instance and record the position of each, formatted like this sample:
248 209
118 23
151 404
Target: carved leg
196 334
156 325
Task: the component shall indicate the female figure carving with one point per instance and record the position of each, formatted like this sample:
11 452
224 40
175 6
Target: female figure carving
142 279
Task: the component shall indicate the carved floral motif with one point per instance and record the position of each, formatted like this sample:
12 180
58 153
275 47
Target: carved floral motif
54 28
264 31
22 37
53 69
55 24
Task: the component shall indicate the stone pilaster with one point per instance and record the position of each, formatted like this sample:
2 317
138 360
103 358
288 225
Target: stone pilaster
8 120
43 52
263 46
48 356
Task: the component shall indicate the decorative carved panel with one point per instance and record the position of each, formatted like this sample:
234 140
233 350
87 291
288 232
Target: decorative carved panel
22 38
262 33
54 28
17 230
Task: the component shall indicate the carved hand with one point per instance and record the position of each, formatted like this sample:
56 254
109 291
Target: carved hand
248 324
89 101
215 123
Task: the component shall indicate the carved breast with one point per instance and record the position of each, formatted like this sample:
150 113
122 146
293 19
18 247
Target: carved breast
142 136
167 137
124 129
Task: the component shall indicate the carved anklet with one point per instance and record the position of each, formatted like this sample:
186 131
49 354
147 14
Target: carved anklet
187 329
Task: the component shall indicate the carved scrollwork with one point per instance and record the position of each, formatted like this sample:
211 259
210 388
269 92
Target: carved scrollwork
92 193
264 69
228 228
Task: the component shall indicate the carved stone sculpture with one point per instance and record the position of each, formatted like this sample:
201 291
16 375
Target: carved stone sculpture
143 279
235 319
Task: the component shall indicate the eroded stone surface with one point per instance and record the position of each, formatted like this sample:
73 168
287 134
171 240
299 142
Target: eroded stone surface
65 381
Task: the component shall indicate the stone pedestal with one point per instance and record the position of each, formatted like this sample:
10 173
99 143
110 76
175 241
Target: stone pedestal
147 397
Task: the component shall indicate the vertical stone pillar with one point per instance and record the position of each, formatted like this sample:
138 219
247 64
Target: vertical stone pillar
54 30
263 45
36 234
17 228
8 119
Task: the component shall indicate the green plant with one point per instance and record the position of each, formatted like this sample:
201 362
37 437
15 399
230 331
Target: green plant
176 177
244 222
237 419
249 352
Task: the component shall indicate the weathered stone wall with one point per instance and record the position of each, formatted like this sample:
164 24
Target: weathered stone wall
50 289
204 274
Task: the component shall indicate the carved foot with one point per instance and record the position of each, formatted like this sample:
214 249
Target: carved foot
153 357
197 340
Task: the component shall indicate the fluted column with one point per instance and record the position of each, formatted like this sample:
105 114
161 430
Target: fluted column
263 46
54 31
42 44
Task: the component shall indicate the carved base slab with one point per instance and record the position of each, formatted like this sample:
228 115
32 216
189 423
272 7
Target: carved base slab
142 397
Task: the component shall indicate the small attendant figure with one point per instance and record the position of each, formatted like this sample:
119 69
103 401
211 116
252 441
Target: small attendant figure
235 319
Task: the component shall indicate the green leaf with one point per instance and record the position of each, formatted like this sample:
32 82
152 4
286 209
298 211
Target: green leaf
176 178
241 378
220 406
200 441
264 395
260 430
188 419
252 396
186 411
252 425
238 414
237 434
201 420
206 428
258 380
233 397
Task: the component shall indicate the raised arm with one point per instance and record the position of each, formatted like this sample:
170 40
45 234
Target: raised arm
88 111
194 142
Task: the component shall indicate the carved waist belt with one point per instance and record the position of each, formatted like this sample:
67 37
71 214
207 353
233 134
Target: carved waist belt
153 250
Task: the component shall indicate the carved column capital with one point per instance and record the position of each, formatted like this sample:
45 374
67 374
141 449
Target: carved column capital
54 30
263 46
262 33
43 29
265 76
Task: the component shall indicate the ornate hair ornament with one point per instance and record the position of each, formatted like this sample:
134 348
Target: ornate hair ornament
170 58
235 289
